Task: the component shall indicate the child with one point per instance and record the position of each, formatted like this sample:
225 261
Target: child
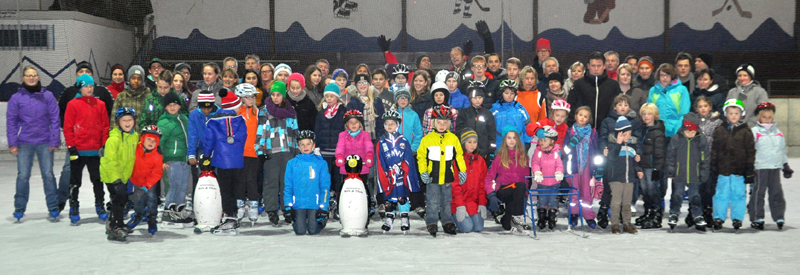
196 134
621 171
397 173
301 102
411 129
248 190
653 157
225 136
153 104
147 171
436 154
277 126
770 158
509 112
505 181
341 79
558 115
440 96
480 120
116 167
691 146
328 125
733 152
607 135
355 141
469 199
308 186
709 121
546 161
400 77
85 132
580 150
456 98
173 125
366 100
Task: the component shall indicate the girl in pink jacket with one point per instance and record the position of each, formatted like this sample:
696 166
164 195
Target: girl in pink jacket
546 161
354 141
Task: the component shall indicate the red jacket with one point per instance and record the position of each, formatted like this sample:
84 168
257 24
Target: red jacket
471 194
86 123
147 169
561 129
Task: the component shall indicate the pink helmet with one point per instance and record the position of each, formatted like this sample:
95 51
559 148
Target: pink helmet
560 104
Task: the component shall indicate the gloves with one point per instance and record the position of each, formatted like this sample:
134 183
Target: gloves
462 178
750 175
787 172
461 213
317 152
482 211
384 43
559 176
483 30
573 142
468 48
425 177
656 175
73 153
538 177
494 202
288 213
130 188
322 217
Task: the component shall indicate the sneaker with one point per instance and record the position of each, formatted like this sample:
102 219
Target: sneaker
389 224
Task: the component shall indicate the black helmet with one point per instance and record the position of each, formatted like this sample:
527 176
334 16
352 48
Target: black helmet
392 114
306 134
354 114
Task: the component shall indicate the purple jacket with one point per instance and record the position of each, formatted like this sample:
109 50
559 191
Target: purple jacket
499 176
32 118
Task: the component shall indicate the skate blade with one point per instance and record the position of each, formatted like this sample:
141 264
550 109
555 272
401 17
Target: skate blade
226 232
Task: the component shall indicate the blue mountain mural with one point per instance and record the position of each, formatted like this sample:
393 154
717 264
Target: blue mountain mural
7 89
767 37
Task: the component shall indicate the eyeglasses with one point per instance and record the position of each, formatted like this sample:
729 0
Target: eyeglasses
479 66
363 83
31 75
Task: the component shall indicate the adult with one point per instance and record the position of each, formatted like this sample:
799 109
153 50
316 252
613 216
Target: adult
550 66
494 67
117 80
302 104
555 89
671 98
154 69
530 97
211 83
32 123
707 88
513 67
576 71
637 97
683 65
134 96
632 60
180 86
360 69
595 90
266 74
420 89
230 63
749 91
490 85
705 61
314 84
253 77
458 62
612 63
325 69
154 103
542 52
251 61
644 79
70 93
186 70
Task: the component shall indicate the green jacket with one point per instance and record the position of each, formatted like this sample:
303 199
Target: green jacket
174 129
153 108
118 156
132 99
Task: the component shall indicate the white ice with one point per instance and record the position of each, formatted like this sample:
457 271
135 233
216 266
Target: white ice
38 246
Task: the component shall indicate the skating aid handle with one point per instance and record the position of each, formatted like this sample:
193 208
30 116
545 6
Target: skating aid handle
549 177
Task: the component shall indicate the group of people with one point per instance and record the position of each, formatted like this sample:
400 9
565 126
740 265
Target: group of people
457 146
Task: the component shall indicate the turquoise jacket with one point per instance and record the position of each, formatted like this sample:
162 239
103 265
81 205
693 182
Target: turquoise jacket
672 103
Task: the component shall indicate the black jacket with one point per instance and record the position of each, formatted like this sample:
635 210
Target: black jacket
733 151
622 166
482 121
713 93
100 92
585 93
491 91
306 113
687 159
654 146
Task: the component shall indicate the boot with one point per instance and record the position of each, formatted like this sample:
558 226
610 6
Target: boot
629 229
708 215
542 218
99 207
273 217
240 210
389 224
780 224
689 220
74 212
718 224
602 217
552 217
517 223
450 229
615 229
151 225
229 226
432 229
404 222
252 212
573 219
642 218
421 212
737 224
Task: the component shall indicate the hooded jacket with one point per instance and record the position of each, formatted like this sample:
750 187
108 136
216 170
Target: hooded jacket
441 156
411 127
119 156
396 167
621 166
733 150
147 169
482 122
132 99
514 114
308 183
472 193
219 128
548 163
770 147
72 92
360 145
688 158
85 125
597 92
654 146
673 103
751 94
197 130
458 100
608 135
32 118
713 93
174 136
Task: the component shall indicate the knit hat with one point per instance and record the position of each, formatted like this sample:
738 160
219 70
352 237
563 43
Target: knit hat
646 60
118 67
278 87
543 44
418 60
402 92
333 89
180 66
171 97
361 77
299 78
452 75
623 124
84 80
205 99
154 60
556 76
747 67
337 72
508 128
468 134
84 65
281 68
230 101
135 69
706 59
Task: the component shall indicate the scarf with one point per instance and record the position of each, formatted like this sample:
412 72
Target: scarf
33 89
585 135
297 98
733 125
354 134
331 111
280 113
767 126
369 117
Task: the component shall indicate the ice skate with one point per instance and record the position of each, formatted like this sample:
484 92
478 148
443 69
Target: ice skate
273 217
689 220
591 223
432 229
152 225
118 235
133 222
252 212
54 215
552 217
74 214
333 208
573 220
449 229
542 218
99 207
517 223
404 223
189 204
708 215
780 224
389 224
736 225
240 210
229 227
759 224
602 217
718 224
639 221
654 220
18 214
420 212
673 221
382 211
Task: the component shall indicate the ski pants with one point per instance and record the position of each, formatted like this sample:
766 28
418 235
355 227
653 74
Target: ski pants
514 196
731 192
581 182
76 176
248 189
439 197
275 168
767 181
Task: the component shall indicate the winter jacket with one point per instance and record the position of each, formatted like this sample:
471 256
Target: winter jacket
115 88
535 103
491 90
154 108
213 88
436 155
85 125
360 145
482 122
174 136
637 98
645 84
770 147
387 97
654 146
571 161
458 100
734 150
498 75
621 165
513 114
225 124
276 133
328 130
607 133
250 115
714 94
197 132
119 156
707 126
396 165
410 127
422 103
673 103
561 129
356 103
305 109
689 83
308 182
548 163
688 159
472 193
428 121
499 176
148 167
99 92
132 99
751 95
32 118
597 92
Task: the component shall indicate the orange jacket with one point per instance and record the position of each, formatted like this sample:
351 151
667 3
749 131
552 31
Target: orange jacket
250 116
534 102
147 169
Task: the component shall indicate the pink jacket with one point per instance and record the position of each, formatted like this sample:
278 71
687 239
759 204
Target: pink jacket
499 176
547 163
360 145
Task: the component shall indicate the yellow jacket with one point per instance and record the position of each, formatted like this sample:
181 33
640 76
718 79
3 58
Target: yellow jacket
436 154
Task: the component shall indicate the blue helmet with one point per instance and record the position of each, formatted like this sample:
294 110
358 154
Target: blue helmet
125 111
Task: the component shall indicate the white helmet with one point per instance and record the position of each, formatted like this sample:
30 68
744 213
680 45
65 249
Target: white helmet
245 89
441 76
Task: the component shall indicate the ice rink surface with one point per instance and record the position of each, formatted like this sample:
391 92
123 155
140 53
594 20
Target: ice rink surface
38 246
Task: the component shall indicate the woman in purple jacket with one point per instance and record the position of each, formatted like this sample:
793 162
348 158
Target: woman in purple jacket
33 129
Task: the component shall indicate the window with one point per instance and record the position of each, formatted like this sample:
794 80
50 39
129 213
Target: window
34 37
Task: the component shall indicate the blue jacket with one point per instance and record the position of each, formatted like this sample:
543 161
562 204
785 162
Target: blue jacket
308 182
770 147
621 165
607 134
411 127
197 131
672 103
225 155
327 130
275 135
396 163
513 114
459 100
